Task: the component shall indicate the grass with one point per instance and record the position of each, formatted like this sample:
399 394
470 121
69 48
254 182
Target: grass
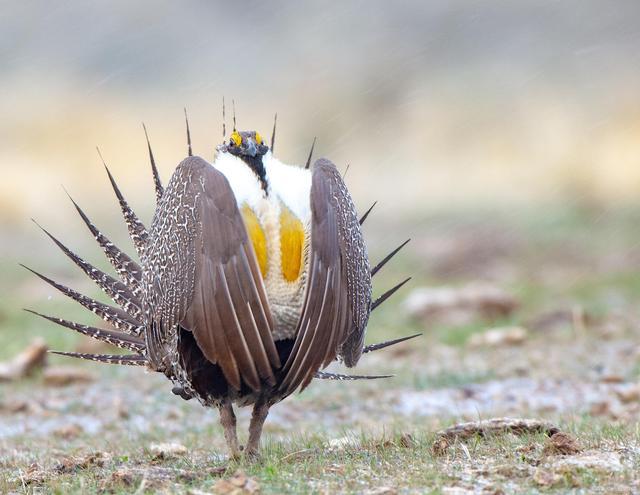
356 437
363 462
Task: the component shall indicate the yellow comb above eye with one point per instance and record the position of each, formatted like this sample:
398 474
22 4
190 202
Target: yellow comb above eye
258 138
236 138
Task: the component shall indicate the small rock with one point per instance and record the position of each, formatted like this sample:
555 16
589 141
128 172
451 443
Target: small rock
61 376
151 476
612 378
406 441
546 477
335 469
514 426
121 409
382 490
575 318
167 450
68 431
600 408
629 393
497 337
72 464
174 414
25 363
15 406
561 443
604 462
238 484
33 475
456 490
460 306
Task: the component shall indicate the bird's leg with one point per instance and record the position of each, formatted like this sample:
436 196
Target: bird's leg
259 414
228 422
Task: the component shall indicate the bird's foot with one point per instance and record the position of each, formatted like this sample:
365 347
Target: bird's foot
235 454
252 454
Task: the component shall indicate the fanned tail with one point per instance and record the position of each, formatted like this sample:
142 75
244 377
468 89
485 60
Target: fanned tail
127 319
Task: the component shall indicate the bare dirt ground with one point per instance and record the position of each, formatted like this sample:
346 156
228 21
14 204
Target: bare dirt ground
563 347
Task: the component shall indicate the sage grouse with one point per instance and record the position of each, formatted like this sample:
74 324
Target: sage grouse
252 278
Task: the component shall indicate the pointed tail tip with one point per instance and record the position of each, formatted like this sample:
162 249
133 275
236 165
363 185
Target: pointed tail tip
325 375
366 213
186 118
101 157
313 145
388 343
388 294
388 257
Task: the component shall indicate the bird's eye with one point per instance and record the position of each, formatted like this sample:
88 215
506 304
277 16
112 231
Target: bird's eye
258 138
235 139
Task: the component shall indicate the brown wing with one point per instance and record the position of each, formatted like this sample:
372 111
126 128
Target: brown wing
222 300
338 297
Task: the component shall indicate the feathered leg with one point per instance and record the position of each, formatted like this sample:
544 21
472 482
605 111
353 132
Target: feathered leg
258 416
228 422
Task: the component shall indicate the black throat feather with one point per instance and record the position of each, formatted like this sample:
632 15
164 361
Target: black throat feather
255 163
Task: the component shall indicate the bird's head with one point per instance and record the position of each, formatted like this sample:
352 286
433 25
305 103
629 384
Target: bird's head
250 148
246 144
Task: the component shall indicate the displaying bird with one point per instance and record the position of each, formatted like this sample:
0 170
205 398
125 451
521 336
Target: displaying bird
252 278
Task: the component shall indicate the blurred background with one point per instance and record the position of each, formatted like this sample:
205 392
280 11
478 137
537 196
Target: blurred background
458 117
434 104
503 137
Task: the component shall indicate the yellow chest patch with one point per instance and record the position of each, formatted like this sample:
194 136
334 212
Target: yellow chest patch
256 234
291 244
290 238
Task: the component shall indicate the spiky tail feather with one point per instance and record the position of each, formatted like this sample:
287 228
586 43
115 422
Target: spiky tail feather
122 359
114 316
128 270
154 170
324 375
387 343
118 339
116 290
388 257
137 231
388 294
366 213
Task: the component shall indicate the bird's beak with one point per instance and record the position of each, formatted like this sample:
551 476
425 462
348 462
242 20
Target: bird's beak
251 148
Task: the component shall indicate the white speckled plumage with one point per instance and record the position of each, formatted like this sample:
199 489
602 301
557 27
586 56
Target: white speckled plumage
310 320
